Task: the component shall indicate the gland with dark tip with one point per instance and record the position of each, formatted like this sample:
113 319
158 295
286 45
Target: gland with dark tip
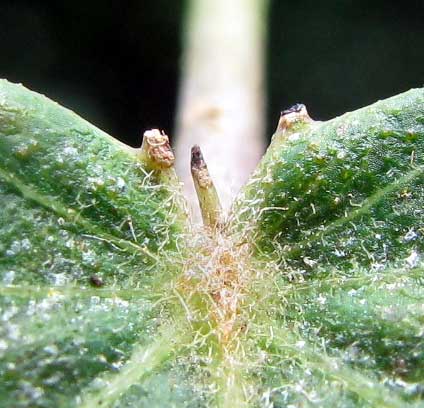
295 114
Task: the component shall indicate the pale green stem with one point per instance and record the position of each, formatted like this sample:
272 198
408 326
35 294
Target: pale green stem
221 101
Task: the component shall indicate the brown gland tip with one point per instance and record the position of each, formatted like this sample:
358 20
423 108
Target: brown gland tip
197 160
156 145
207 195
199 169
295 114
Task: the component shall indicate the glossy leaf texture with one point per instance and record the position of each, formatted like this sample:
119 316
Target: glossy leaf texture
347 192
336 210
87 238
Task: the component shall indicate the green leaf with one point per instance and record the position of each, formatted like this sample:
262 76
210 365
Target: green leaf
335 210
77 206
311 296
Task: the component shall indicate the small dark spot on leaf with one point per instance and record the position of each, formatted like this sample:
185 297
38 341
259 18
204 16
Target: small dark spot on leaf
96 281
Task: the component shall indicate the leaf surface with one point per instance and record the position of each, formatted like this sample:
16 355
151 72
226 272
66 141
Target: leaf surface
311 296
335 210
77 204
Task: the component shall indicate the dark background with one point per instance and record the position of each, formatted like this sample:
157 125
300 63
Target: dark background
116 63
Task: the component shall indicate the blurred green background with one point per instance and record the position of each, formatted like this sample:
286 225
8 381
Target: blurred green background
116 63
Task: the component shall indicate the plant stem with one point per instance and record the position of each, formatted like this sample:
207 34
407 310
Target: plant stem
221 102
210 206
